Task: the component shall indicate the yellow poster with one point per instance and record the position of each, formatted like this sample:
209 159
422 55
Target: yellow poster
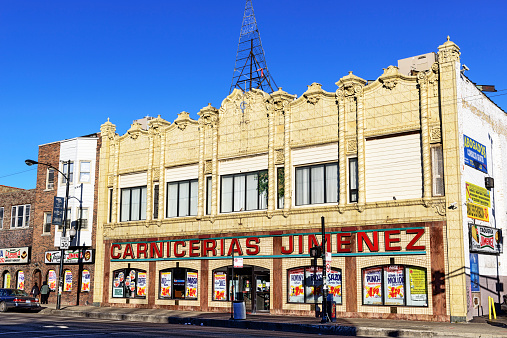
478 195
417 279
478 212
7 281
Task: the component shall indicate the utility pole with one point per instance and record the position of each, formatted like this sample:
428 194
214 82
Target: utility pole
324 279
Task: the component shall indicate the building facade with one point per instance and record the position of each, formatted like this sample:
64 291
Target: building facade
17 267
379 162
79 258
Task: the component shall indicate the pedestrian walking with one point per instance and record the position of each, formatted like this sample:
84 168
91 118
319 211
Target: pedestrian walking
35 291
44 293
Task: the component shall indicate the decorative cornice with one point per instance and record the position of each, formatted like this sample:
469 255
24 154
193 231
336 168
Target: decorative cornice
314 93
448 52
278 101
182 120
108 130
135 130
208 116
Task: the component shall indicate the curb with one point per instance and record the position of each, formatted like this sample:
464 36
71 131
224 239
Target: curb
328 329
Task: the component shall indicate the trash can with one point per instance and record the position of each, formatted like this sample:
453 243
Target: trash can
239 309
331 310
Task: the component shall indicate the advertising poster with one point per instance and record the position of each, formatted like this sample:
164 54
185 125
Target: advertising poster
417 279
313 285
395 285
14 255
485 239
372 286
141 284
297 292
85 281
334 282
478 195
478 212
474 273
118 290
165 284
191 285
67 281
7 282
220 285
21 281
475 154
52 280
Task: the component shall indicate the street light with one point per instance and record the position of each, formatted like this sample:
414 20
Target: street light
62 251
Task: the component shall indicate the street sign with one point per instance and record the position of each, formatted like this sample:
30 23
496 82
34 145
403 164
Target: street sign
64 242
238 262
328 262
57 218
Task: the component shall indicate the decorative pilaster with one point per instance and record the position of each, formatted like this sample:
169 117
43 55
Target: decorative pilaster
157 129
202 177
360 147
342 157
422 79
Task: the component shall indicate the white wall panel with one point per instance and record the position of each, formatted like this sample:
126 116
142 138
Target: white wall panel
323 153
186 172
133 180
393 168
243 165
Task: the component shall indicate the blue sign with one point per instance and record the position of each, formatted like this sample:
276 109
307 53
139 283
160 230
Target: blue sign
474 272
57 218
475 154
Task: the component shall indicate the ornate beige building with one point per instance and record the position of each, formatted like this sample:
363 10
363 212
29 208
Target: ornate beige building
253 179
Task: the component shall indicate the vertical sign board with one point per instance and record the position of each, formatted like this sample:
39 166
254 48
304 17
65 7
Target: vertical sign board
474 272
475 154
57 218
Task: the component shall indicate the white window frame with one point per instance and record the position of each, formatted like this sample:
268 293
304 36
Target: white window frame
191 183
437 171
47 215
25 223
64 170
142 204
307 185
86 220
242 180
350 178
50 185
81 171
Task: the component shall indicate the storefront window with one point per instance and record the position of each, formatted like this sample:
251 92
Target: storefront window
305 285
7 280
129 283
178 283
395 285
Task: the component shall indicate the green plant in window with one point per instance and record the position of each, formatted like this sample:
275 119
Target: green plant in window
263 182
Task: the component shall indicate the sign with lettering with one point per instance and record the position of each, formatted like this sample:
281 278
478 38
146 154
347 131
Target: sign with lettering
15 255
67 286
334 282
475 154
486 240
71 257
141 283
220 285
395 280
52 279
58 211
478 195
296 279
165 284
372 286
474 273
478 212
191 285
85 281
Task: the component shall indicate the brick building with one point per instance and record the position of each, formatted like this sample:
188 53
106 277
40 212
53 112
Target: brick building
390 164
18 268
78 264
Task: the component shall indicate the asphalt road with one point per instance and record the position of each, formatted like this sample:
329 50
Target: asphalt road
21 324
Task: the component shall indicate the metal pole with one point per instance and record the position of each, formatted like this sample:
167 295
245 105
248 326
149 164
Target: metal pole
324 281
62 251
232 284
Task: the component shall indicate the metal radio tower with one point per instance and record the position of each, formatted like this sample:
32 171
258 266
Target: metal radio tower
250 70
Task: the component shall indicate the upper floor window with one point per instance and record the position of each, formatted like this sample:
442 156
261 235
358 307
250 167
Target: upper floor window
84 171
47 223
240 192
437 170
133 204
65 171
50 179
208 195
353 180
182 198
66 221
20 216
82 218
1 217
317 184
155 201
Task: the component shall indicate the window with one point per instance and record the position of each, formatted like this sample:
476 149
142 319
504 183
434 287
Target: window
178 283
82 217
182 198
46 229
50 179
208 195
242 192
317 184
65 169
1 217
353 180
20 216
67 221
84 171
280 183
133 204
305 286
155 201
437 170
395 285
110 205
129 283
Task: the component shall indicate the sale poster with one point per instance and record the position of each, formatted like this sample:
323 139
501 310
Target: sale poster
334 282
85 281
165 284
313 285
417 279
7 283
67 285
191 285
395 285
141 283
296 280
372 286
21 280
52 280
220 285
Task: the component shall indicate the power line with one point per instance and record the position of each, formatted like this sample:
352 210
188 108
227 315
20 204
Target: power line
19 172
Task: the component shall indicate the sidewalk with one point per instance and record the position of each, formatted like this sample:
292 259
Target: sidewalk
364 327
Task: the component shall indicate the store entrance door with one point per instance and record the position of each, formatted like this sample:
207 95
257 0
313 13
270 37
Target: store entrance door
251 285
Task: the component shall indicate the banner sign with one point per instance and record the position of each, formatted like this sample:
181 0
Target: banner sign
220 285
474 273
71 257
478 195
486 240
478 212
475 154
58 211
14 255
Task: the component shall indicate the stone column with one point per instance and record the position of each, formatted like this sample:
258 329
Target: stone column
423 92
202 178
360 148
342 156
271 163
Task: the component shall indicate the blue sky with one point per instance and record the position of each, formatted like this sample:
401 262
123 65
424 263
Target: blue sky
66 66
